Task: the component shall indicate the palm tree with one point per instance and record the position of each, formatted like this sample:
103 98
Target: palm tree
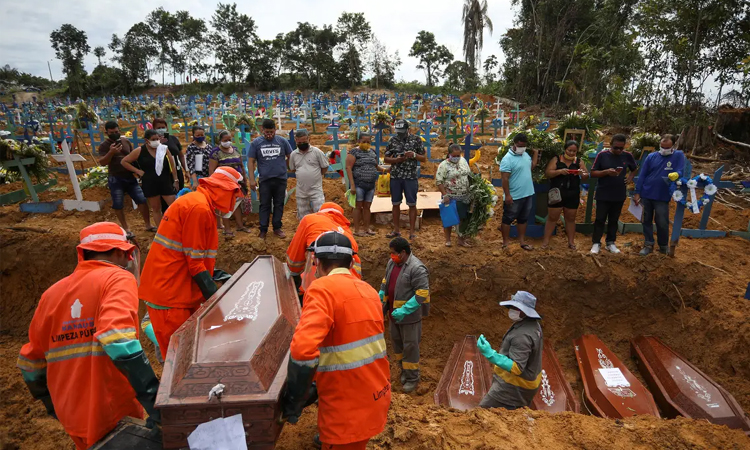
474 20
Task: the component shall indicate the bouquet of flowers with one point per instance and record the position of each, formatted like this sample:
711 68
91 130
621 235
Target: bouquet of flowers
95 177
643 140
578 121
483 200
10 147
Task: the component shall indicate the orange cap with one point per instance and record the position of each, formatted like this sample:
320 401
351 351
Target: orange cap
331 207
103 237
225 178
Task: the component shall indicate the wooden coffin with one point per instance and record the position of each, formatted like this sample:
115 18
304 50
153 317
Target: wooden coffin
555 394
610 389
681 389
240 338
467 377
130 433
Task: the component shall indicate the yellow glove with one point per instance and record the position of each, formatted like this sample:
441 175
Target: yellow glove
674 176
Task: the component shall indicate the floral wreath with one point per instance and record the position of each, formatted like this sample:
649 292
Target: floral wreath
695 204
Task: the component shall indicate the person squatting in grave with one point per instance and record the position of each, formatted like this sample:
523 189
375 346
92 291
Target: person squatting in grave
653 193
405 293
271 153
518 365
84 361
339 341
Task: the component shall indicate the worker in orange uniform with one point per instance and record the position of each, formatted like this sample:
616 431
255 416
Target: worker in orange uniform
83 359
177 276
330 218
340 337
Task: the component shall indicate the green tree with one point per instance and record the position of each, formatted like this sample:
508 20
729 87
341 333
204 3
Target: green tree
71 45
309 56
166 29
133 53
232 38
458 75
490 64
354 33
382 63
475 20
194 44
432 57
99 53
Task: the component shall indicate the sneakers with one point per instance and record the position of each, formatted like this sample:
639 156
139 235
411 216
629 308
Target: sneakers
595 249
410 386
612 249
647 250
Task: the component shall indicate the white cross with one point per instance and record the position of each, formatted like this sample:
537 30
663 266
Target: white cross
78 204
278 117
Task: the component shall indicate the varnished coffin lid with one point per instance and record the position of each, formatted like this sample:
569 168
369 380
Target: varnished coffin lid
613 401
555 394
467 376
681 388
240 338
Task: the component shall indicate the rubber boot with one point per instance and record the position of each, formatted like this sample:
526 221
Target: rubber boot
316 441
410 386
403 377
664 249
647 250
137 369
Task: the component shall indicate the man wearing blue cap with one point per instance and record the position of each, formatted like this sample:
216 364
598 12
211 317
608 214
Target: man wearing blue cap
518 365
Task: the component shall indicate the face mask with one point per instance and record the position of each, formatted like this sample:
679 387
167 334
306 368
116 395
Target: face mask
304 147
454 159
237 203
199 139
401 133
154 144
395 258
161 131
514 315
114 137
666 151
519 150
364 146
226 144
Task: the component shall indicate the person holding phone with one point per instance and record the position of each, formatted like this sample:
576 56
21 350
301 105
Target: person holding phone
154 162
120 180
611 167
565 173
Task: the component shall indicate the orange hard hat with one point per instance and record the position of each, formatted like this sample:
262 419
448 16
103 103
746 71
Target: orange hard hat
103 237
331 207
225 178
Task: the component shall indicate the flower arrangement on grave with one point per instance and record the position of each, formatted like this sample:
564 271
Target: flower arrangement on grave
353 134
483 201
125 105
95 177
153 110
578 121
245 119
641 140
694 203
529 122
172 110
298 93
359 109
85 115
483 113
383 117
10 147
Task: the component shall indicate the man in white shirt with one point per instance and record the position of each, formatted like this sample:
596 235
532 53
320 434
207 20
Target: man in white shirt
310 164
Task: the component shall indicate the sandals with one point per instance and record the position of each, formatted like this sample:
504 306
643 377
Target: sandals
412 237
151 229
448 244
393 234
360 234
464 244
527 247
572 247
371 233
244 230
228 234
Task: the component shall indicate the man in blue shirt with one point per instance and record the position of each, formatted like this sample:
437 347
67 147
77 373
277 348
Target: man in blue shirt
610 166
652 192
272 153
518 186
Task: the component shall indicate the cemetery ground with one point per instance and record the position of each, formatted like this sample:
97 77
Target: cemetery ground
693 302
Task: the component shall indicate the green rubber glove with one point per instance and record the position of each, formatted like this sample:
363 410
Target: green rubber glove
409 307
381 294
492 356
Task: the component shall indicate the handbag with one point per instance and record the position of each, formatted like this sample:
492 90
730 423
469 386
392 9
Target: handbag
554 196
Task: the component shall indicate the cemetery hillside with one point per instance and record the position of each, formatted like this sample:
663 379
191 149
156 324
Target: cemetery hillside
644 300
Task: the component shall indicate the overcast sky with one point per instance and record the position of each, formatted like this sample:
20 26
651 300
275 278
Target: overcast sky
25 44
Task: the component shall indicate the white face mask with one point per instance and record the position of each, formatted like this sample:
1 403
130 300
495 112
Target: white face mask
519 150
154 144
666 151
226 144
161 131
514 315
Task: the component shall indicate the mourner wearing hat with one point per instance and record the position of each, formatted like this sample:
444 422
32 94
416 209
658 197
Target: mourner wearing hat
84 361
403 152
518 365
339 337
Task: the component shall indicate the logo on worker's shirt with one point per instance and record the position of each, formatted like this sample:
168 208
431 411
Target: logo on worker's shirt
271 151
75 310
669 163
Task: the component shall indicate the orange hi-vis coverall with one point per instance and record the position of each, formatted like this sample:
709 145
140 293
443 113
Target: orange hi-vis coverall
185 245
330 218
81 323
341 332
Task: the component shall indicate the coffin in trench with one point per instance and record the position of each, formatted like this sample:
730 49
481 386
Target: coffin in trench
610 389
467 377
681 389
240 338
555 393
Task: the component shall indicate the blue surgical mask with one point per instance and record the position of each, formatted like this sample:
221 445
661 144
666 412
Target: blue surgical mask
199 139
454 159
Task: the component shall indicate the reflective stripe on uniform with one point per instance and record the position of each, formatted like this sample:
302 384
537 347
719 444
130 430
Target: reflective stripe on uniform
291 263
30 365
399 303
177 246
409 365
309 363
104 236
199 254
398 356
75 351
424 293
117 336
515 370
170 244
516 380
353 355
358 268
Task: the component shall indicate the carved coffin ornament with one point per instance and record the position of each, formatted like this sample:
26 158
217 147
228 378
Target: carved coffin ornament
555 394
610 389
239 338
681 389
467 377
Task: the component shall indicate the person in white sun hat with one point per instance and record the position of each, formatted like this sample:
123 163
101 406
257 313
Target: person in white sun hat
518 365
